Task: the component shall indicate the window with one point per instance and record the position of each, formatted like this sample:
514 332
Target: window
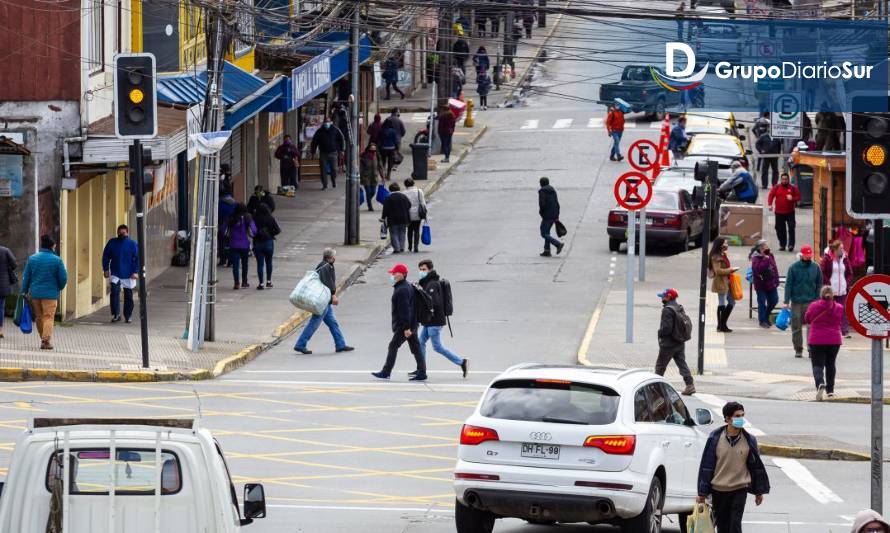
658 404
550 401
135 472
641 407
679 412
96 36
664 200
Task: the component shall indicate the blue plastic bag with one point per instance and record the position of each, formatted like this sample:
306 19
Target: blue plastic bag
25 320
426 235
361 195
749 274
382 193
783 319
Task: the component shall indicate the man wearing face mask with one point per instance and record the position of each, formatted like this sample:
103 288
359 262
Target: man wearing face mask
802 286
329 142
120 263
404 325
731 468
440 293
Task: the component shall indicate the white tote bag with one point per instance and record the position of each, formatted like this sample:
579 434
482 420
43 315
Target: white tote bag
311 294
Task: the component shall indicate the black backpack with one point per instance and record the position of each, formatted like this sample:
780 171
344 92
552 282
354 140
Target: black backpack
682 325
447 300
423 305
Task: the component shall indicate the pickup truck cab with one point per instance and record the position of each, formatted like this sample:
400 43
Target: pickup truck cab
167 475
640 91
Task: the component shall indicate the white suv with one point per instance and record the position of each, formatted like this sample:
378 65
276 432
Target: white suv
578 444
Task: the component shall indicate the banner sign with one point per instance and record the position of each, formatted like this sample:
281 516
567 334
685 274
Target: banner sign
310 79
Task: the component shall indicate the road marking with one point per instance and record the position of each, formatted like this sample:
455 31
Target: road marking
804 479
362 509
563 123
365 372
376 384
595 123
419 117
655 125
530 124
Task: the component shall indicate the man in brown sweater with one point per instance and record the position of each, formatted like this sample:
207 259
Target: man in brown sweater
730 469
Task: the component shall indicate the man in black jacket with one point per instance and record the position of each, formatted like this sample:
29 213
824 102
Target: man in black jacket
730 469
397 215
328 276
404 325
548 208
329 142
669 345
260 196
432 330
770 147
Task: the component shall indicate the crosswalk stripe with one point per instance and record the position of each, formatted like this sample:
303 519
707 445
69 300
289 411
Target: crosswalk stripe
804 479
630 125
418 117
562 123
595 123
655 125
530 124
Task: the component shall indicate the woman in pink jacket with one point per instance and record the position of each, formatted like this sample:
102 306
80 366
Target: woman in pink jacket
824 317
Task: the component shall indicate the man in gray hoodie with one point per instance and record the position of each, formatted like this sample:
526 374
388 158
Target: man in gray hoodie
868 521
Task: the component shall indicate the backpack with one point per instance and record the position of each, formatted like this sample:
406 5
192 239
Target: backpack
447 300
682 325
423 305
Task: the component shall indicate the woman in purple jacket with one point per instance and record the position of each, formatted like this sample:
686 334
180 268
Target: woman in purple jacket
824 317
240 230
765 276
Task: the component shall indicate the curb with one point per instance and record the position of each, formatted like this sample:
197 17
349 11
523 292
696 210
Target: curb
822 454
854 399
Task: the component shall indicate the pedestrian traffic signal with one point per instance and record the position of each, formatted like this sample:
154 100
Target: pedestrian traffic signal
135 96
868 161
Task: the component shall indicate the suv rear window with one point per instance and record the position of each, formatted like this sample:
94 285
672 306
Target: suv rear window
542 400
135 472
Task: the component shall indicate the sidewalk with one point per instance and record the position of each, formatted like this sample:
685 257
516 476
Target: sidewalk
248 320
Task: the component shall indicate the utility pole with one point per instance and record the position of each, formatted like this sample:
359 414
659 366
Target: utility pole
708 176
446 38
352 218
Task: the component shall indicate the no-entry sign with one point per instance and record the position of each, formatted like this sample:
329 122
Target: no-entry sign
867 306
633 191
643 155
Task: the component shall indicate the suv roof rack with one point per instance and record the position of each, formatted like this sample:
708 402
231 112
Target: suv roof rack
178 423
630 371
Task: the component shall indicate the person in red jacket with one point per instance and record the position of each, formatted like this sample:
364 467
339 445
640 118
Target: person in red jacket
446 130
615 128
782 199
837 273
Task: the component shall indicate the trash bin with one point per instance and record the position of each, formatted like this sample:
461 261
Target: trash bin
420 153
805 185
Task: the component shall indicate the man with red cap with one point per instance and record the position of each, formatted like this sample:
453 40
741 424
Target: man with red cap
802 286
404 325
674 331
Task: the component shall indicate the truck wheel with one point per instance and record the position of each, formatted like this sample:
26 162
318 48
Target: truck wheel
649 521
469 520
614 245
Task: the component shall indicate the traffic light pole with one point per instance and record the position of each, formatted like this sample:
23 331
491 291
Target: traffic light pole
710 197
137 182
877 388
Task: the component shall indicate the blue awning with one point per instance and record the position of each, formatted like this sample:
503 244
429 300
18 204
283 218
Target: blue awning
331 62
244 94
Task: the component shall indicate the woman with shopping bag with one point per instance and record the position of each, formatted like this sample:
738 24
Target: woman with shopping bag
720 270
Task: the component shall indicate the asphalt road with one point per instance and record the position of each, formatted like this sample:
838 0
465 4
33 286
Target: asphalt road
339 451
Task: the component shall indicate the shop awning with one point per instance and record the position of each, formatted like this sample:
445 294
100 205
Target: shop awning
331 62
244 94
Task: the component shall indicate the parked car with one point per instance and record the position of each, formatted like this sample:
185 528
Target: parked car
707 122
684 178
714 41
641 92
672 220
167 475
550 444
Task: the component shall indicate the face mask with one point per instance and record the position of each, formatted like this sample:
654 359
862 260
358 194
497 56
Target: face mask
806 261
738 422
327 124
392 279
422 274
121 235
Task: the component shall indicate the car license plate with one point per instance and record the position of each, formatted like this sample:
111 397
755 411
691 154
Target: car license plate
650 221
540 451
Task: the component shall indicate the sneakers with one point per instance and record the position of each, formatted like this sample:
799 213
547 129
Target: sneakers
115 318
689 390
45 345
831 395
268 284
128 320
345 349
798 355
259 286
303 351
380 375
245 285
820 393
765 325
545 254
417 377
465 367
559 248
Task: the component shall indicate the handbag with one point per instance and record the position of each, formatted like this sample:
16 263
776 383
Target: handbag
421 206
397 157
735 286
19 304
426 235
561 230
382 193
783 319
25 319
700 520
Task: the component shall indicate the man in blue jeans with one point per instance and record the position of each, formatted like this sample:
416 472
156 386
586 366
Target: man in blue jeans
440 292
328 276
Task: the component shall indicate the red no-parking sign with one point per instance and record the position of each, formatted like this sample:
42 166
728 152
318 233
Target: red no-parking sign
868 306
643 155
633 191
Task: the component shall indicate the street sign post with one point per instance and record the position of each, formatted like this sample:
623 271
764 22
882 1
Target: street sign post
867 311
643 155
785 114
630 197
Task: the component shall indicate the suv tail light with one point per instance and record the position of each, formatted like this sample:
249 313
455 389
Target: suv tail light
473 435
616 218
480 477
613 444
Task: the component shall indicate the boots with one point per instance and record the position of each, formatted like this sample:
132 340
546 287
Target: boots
720 309
726 312
689 390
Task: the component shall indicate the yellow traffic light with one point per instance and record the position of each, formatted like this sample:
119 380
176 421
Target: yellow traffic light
136 96
875 155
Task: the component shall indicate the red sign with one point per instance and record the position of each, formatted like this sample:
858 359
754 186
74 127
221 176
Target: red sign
628 193
643 155
867 306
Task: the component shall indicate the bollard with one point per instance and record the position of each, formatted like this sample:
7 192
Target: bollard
468 121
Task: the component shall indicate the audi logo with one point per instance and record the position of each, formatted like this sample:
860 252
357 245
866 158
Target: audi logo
540 435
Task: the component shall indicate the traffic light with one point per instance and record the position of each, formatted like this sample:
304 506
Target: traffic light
135 96
140 167
868 163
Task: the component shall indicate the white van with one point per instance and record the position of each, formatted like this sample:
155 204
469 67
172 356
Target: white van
168 475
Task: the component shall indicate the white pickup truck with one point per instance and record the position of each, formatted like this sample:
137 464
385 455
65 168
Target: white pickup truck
167 475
